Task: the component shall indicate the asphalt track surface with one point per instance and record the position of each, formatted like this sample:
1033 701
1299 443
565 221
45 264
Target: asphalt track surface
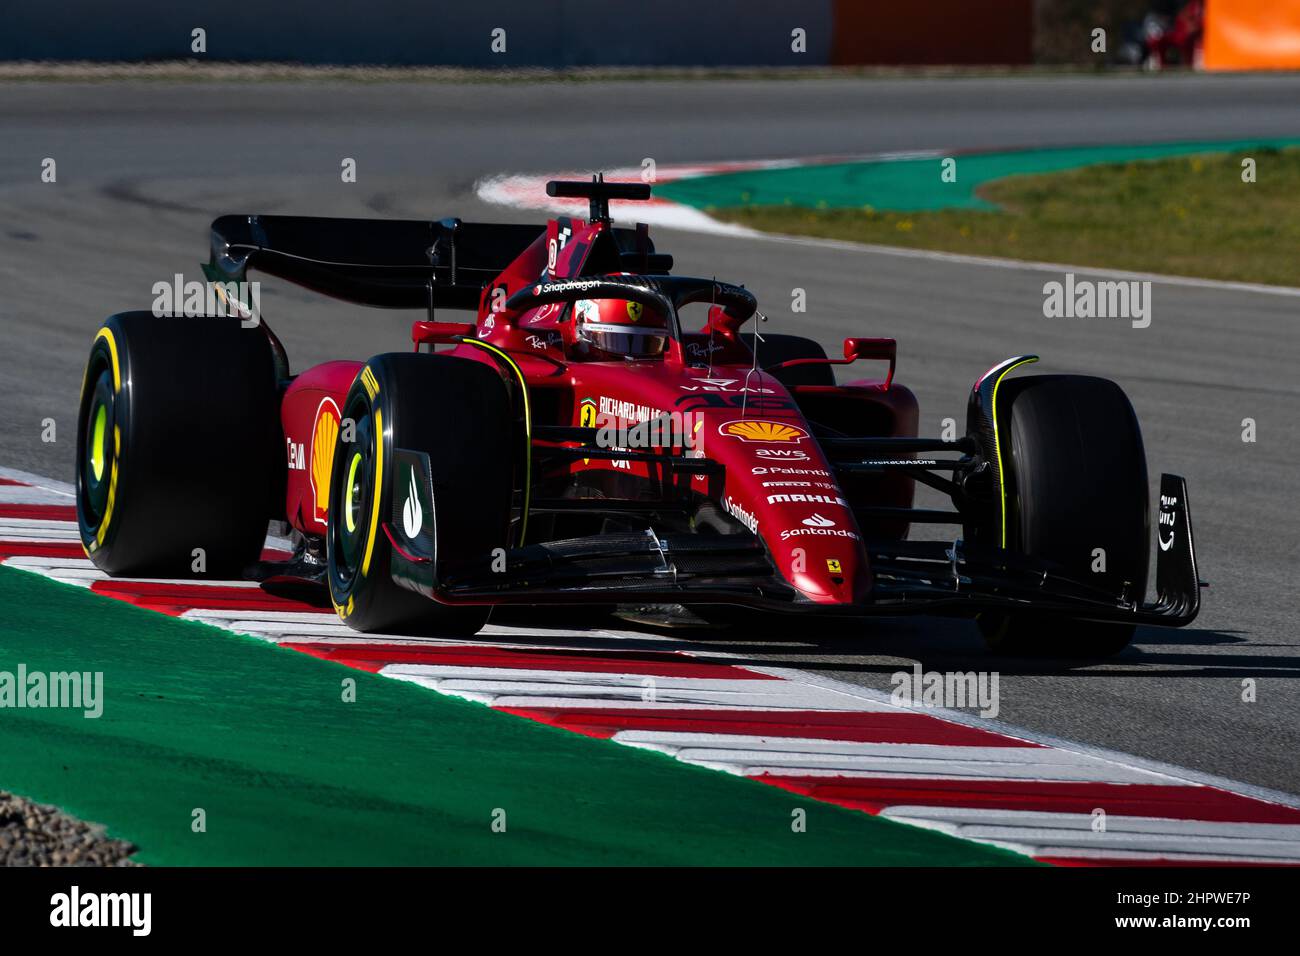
142 169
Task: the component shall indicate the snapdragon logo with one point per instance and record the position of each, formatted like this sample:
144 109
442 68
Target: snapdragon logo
73 909
72 690
952 689
240 300
1085 299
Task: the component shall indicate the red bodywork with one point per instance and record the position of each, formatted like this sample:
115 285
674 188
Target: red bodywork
777 481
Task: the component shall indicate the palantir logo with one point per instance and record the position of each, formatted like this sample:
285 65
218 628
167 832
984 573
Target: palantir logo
75 909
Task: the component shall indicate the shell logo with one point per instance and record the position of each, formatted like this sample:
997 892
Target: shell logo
763 432
323 436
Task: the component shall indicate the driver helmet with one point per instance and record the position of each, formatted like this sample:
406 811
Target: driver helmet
620 328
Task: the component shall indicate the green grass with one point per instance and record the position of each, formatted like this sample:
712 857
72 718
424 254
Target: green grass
287 773
1181 216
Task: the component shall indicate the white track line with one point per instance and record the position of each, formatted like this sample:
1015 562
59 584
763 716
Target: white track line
1174 771
1034 832
62 488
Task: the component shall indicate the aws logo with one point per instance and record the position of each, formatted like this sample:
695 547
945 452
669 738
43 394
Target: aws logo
323 436
762 432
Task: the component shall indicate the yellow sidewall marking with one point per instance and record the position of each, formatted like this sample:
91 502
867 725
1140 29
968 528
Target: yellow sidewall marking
107 335
368 380
528 434
378 491
112 486
997 443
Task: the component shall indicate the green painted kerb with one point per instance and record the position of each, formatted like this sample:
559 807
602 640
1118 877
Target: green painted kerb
287 773
915 184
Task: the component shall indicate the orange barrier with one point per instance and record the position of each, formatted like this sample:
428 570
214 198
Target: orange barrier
1252 35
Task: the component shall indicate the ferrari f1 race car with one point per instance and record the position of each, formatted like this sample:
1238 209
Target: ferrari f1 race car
604 433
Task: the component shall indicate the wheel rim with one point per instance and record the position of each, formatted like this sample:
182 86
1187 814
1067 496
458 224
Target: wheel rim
98 451
352 494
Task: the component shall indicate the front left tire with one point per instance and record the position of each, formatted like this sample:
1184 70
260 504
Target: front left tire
458 412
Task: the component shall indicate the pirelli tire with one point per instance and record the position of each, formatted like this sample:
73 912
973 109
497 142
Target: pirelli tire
458 412
180 462
1076 480
774 349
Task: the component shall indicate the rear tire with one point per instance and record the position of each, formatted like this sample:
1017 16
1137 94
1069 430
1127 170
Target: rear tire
1076 480
178 446
458 412
775 349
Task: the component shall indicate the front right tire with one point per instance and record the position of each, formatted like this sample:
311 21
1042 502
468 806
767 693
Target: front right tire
1076 496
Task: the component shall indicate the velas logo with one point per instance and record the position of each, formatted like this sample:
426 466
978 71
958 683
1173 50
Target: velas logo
724 385
324 433
763 432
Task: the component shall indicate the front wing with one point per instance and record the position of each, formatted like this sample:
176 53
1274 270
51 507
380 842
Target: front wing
917 577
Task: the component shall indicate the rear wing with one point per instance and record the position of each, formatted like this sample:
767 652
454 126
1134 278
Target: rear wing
386 263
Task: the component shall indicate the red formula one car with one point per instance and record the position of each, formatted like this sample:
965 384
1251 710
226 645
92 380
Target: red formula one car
585 441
